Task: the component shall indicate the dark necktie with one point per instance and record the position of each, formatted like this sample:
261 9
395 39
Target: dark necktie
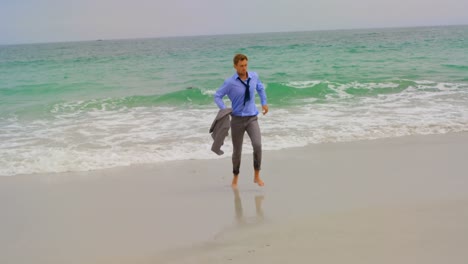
247 90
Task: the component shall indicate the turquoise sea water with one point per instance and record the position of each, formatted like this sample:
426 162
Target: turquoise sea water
90 105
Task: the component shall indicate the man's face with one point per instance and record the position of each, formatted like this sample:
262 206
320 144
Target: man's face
241 67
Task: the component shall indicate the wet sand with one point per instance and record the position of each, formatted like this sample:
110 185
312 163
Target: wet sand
400 200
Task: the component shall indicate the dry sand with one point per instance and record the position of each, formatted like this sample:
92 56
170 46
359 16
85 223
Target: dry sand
401 200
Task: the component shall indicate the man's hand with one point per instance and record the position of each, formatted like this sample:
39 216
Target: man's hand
264 109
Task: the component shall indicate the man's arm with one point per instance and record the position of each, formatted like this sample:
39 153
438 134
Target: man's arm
263 98
220 93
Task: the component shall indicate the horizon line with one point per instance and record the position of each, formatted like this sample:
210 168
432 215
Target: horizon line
230 34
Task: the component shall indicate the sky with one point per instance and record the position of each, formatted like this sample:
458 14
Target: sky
35 21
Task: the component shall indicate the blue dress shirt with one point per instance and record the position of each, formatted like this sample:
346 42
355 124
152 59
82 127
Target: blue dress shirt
235 90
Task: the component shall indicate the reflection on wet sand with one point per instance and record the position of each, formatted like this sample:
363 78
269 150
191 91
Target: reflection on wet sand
240 218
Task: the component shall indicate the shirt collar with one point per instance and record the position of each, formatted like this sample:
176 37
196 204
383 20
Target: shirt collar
237 75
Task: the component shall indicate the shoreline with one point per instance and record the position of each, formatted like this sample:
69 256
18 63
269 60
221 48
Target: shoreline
186 212
247 147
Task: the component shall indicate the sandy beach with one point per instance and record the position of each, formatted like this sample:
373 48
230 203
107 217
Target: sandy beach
398 200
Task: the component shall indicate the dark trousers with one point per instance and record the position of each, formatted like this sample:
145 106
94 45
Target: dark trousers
239 125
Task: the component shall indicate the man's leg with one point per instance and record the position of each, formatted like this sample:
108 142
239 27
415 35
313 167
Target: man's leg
253 130
237 134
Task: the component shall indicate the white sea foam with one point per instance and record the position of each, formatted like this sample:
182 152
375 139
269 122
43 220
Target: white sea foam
80 137
303 84
209 92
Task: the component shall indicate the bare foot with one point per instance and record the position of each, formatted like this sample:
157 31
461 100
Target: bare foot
257 179
234 182
259 182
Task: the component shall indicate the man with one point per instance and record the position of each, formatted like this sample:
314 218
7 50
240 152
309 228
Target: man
240 90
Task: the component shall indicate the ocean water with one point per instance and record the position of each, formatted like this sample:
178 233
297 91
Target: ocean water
90 105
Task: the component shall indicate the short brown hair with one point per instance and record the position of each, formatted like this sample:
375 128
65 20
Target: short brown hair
239 57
